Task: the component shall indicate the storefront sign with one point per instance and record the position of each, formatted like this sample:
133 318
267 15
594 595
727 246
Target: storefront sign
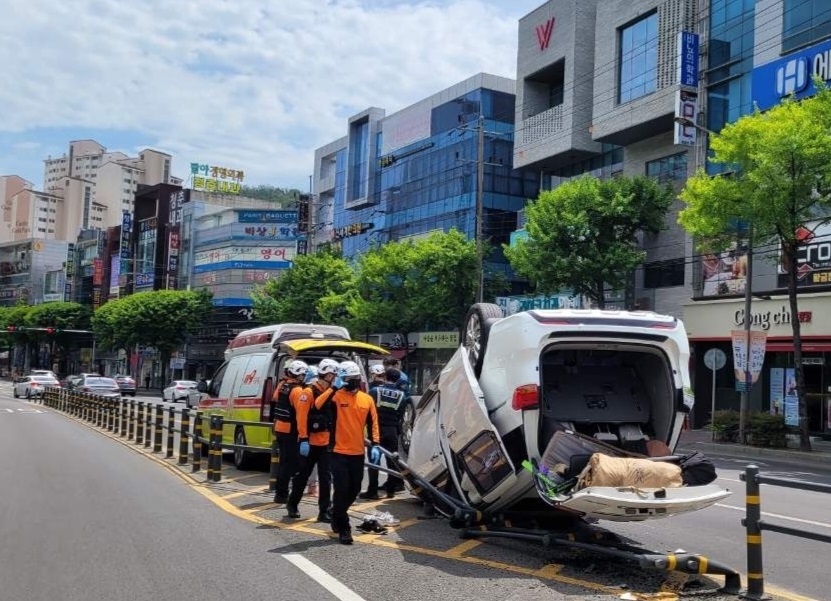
353 229
97 272
70 260
115 273
792 74
765 319
244 254
813 256
688 59
438 339
126 230
177 199
686 107
267 216
211 178
145 279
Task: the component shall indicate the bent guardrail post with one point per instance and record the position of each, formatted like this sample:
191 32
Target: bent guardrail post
171 429
197 442
140 424
753 514
275 464
157 433
184 429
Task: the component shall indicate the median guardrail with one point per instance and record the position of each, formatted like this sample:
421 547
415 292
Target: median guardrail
144 424
754 525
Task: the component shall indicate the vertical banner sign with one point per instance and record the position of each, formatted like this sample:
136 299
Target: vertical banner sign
173 243
791 398
126 231
777 390
686 106
115 273
688 59
177 199
70 271
758 341
97 271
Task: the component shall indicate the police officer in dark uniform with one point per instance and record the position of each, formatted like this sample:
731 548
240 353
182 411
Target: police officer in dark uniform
389 402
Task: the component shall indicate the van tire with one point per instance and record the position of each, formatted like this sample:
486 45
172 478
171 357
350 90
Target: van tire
242 459
406 433
478 322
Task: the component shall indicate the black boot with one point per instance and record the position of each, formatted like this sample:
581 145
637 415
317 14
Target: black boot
325 517
292 511
345 537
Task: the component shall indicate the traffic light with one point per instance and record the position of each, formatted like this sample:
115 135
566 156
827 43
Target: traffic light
11 328
50 330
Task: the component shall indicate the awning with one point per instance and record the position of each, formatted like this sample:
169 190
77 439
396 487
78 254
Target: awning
306 344
807 347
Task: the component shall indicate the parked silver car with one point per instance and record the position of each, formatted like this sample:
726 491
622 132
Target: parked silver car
178 390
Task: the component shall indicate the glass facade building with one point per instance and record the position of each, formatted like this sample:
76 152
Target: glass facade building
420 172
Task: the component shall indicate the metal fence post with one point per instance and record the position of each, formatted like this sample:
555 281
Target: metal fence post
197 442
131 422
753 514
184 429
110 414
215 453
171 426
157 437
148 426
275 464
123 418
140 423
99 412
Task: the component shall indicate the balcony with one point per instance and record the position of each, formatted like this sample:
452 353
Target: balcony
541 125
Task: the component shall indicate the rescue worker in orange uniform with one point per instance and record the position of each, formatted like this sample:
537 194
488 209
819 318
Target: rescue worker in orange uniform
313 427
288 395
354 414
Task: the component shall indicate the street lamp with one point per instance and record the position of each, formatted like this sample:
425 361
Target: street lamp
748 297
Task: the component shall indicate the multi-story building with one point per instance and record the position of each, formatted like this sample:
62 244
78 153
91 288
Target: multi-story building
407 174
600 84
33 271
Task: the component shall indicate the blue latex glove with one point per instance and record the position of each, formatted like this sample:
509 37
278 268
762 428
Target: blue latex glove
375 455
304 448
338 383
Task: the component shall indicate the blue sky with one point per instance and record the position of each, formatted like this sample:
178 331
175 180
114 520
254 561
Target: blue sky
254 85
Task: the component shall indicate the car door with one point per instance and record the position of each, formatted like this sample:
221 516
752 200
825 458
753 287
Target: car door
452 421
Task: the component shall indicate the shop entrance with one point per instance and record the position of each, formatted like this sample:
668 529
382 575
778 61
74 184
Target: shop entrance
816 392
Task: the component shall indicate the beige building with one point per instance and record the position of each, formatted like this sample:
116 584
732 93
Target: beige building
114 178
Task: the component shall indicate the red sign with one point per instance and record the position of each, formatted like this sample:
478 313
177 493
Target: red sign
544 33
97 272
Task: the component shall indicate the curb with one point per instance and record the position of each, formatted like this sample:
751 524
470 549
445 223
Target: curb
751 453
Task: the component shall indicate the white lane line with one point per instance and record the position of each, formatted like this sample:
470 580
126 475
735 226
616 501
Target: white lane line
778 516
323 578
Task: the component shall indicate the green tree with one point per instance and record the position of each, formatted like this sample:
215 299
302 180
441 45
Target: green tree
781 181
295 296
583 235
404 287
162 319
281 196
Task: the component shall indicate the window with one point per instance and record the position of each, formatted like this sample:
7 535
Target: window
805 21
638 58
663 274
668 169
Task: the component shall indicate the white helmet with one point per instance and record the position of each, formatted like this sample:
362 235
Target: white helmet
377 370
297 368
327 366
349 369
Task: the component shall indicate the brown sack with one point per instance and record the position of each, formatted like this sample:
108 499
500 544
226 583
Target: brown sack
603 470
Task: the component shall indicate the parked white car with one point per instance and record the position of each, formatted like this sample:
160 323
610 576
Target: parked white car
547 387
178 390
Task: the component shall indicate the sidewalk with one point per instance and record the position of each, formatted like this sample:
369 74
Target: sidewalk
701 440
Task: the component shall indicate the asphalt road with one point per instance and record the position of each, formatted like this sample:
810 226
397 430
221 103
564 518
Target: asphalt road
91 518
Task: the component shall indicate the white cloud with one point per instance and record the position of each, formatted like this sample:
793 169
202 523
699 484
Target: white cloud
256 85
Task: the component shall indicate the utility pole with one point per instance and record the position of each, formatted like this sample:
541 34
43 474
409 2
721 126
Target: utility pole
480 196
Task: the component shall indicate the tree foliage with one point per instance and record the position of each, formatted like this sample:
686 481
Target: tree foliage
405 287
781 181
296 296
583 235
280 196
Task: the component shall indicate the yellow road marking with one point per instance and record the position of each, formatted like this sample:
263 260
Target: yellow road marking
464 547
548 572
245 477
237 494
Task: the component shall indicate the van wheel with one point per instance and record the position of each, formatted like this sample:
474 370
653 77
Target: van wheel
407 424
478 322
242 458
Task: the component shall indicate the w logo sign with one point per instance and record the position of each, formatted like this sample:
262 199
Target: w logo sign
544 33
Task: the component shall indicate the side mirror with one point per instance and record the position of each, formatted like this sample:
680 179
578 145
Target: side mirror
202 386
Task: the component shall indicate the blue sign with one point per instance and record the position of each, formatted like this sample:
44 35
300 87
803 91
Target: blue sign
688 59
232 302
792 74
267 216
222 265
144 279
